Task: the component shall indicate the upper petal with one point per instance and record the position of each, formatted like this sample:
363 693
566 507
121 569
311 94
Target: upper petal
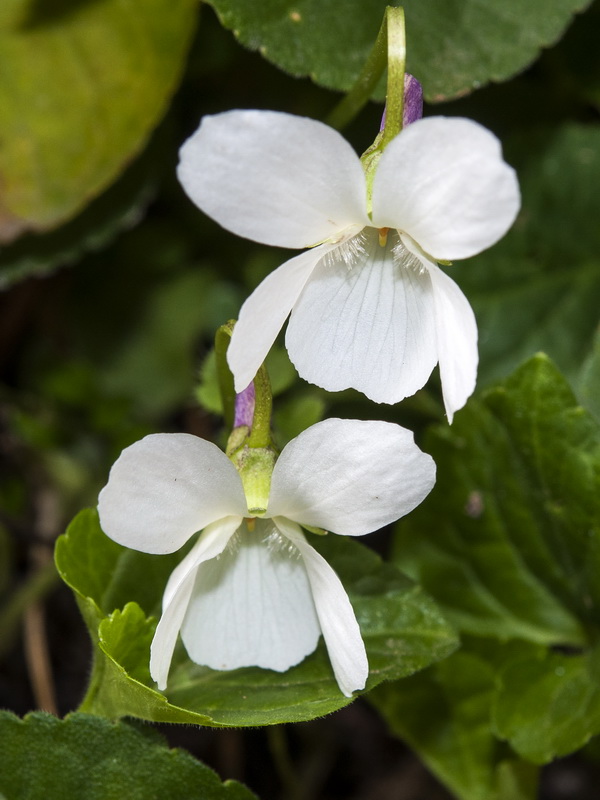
443 181
166 487
350 476
341 632
252 606
365 320
272 177
263 314
177 595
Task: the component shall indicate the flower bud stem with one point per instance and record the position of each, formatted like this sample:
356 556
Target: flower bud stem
250 410
224 376
390 49
260 432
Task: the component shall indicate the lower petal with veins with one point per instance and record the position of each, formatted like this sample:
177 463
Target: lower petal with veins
252 606
366 321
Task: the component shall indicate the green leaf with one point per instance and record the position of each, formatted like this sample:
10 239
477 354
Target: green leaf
549 705
83 86
444 713
116 209
576 61
402 629
589 380
537 289
509 544
84 757
509 540
452 48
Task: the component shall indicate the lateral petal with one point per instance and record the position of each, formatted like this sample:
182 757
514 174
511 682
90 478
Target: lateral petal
350 477
177 595
443 181
457 341
252 606
336 616
456 332
264 312
164 488
365 320
275 178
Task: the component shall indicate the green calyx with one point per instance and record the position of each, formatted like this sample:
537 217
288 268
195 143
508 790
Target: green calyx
255 467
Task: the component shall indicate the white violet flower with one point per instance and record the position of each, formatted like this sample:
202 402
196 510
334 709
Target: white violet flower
370 308
252 591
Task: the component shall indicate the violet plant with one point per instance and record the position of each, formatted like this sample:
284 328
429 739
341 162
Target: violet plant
446 413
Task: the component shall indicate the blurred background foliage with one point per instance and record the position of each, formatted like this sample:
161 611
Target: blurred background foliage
113 284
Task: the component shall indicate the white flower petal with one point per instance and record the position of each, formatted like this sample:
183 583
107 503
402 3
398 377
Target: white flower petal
210 544
167 631
252 606
336 616
457 341
275 178
164 488
443 181
456 331
350 477
366 322
263 314
177 595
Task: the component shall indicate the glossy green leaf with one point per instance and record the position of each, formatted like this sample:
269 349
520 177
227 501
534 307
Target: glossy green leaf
83 84
453 48
444 713
509 540
538 288
548 706
105 217
88 758
117 588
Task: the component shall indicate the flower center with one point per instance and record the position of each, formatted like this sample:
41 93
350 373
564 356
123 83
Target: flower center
383 234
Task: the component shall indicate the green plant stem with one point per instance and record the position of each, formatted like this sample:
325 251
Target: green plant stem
390 49
260 433
89 705
224 376
396 61
35 588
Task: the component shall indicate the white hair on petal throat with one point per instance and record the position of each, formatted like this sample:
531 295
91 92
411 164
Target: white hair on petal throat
350 252
407 260
278 544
